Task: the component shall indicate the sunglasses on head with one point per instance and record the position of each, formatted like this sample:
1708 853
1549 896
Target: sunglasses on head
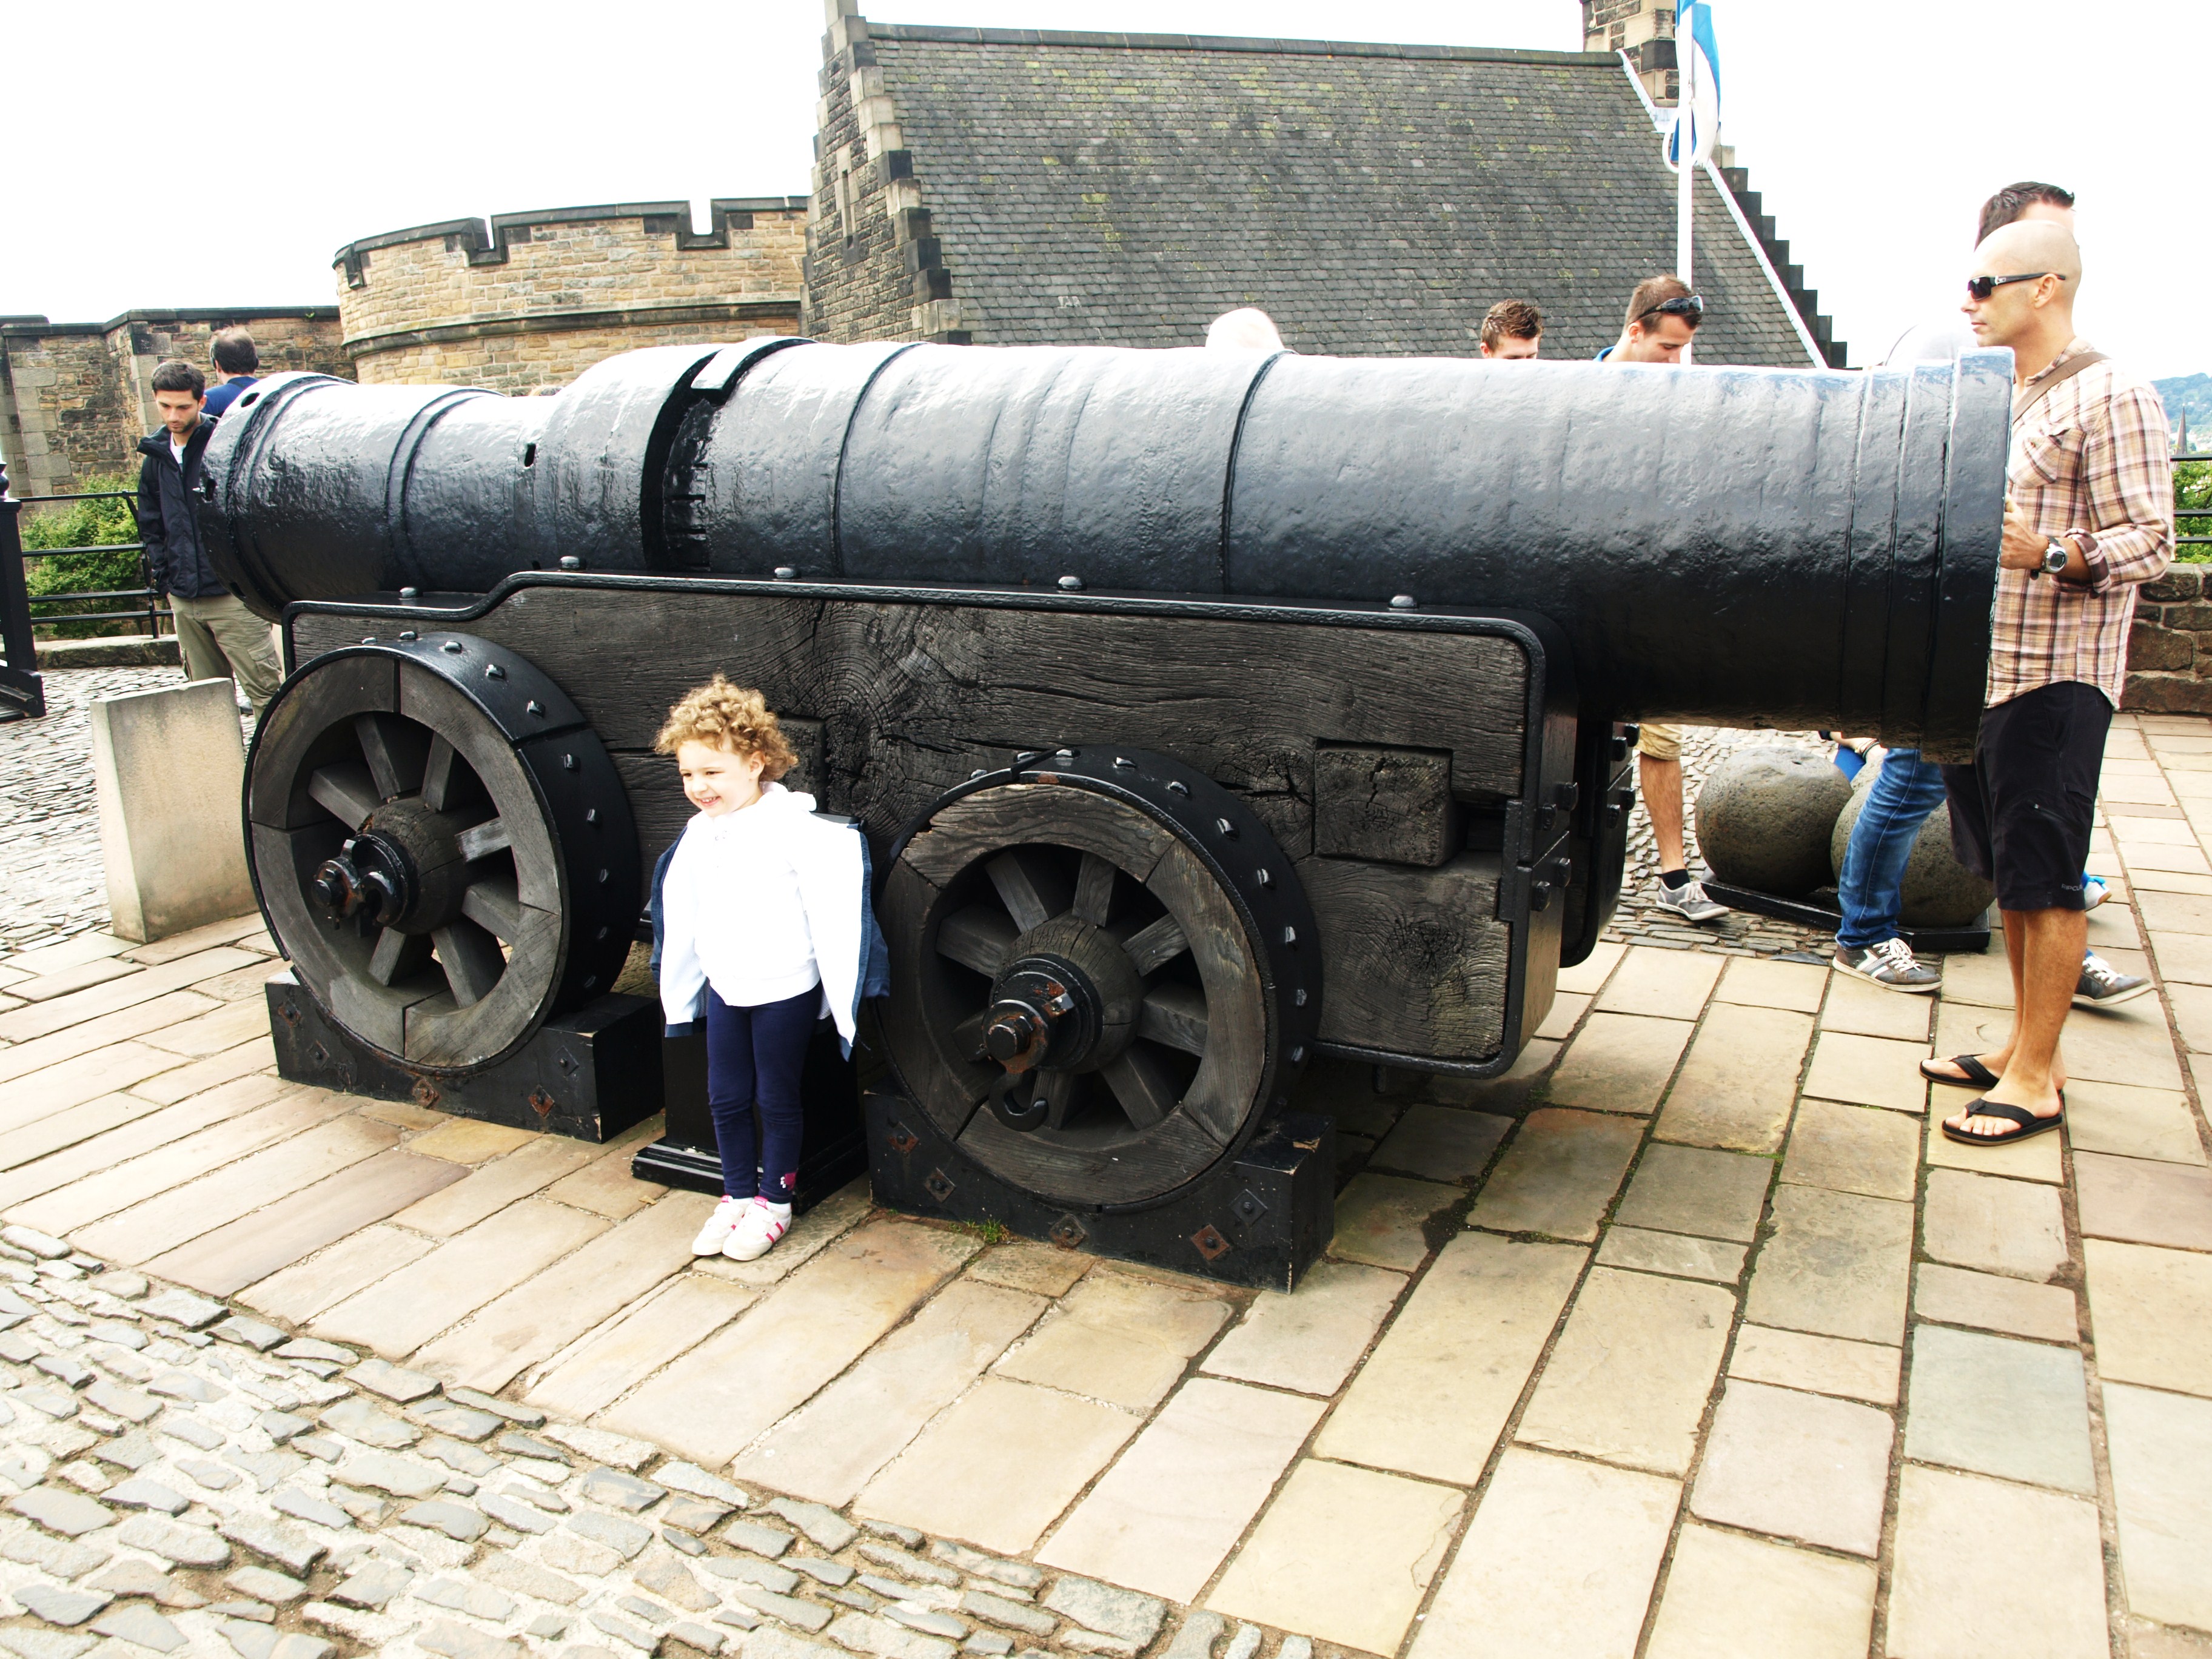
1688 306
1982 287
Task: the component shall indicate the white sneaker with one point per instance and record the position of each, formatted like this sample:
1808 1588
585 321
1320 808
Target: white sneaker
719 1225
758 1228
1689 902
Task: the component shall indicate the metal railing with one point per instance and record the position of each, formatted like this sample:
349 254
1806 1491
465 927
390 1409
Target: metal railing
148 607
2202 515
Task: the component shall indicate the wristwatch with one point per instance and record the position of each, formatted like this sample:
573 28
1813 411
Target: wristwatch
2055 555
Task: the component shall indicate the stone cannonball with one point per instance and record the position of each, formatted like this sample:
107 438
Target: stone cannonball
1939 890
1764 817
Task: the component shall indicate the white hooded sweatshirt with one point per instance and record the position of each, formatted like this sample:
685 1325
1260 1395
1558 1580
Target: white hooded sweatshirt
761 904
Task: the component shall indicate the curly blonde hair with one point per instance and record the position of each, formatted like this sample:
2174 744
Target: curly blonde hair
725 716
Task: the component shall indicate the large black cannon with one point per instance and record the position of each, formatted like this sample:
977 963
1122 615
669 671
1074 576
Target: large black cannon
1268 706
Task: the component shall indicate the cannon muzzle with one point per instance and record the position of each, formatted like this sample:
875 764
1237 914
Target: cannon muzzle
1739 546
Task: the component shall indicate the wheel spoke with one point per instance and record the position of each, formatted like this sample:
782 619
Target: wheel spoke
396 749
1032 892
977 936
399 957
472 959
485 839
346 789
442 774
1057 1090
1141 1084
1154 946
1094 889
1174 1014
492 905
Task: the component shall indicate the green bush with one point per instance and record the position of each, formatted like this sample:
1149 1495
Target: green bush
2193 509
84 524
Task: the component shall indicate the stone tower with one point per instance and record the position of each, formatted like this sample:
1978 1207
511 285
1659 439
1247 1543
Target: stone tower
1644 28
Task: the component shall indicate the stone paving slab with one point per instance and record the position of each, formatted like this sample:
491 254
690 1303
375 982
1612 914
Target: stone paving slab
1732 1597
1089 1448
1559 1557
1739 1080
1345 1554
2054 1606
1797 1466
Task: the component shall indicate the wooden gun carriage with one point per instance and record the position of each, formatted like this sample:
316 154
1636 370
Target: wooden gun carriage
1205 713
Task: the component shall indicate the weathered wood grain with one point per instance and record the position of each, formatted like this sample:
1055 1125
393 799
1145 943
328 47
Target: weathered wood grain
1417 959
1391 805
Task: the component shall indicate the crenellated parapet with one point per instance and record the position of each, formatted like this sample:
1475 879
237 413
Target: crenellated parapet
526 301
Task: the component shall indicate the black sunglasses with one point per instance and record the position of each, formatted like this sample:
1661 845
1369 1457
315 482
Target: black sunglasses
1982 287
1688 306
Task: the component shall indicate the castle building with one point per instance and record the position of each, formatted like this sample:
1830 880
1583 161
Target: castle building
1643 29
75 397
527 302
1014 186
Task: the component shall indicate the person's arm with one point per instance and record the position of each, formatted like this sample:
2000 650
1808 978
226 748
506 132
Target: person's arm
2127 471
147 511
683 979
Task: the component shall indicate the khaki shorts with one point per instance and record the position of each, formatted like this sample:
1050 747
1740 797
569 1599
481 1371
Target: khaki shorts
1662 743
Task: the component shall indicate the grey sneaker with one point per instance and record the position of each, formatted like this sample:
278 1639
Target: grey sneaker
2103 986
1890 965
1689 902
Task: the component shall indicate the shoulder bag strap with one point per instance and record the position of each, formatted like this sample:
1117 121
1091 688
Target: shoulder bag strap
2051 382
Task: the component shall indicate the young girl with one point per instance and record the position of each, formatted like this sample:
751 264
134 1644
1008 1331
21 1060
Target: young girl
763 927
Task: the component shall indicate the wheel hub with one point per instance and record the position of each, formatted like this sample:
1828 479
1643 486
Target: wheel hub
371 883
1043 1013
403 868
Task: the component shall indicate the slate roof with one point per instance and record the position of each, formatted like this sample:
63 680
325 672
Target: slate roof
1374 199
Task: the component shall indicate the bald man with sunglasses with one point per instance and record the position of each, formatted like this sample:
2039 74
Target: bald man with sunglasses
2088 517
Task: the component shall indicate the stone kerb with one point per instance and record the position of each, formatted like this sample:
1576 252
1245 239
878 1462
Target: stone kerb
158 758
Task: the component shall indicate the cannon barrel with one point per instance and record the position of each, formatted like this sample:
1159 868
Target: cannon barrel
1740 546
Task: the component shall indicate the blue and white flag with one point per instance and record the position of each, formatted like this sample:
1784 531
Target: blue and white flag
1698 76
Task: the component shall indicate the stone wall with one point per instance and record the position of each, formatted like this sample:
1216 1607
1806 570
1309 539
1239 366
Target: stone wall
874 269
2170 649
75 397
529 302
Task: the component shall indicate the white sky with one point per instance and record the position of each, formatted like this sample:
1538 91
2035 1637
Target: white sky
1874 127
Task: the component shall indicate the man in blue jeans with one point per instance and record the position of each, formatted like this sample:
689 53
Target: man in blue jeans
1869 889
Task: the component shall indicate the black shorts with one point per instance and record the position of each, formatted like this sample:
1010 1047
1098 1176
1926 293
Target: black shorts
2020 814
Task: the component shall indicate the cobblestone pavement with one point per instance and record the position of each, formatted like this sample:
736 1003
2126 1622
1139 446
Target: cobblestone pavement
1690 1339
1640 920
52 881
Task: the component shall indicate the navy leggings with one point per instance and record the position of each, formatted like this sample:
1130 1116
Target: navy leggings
754 1058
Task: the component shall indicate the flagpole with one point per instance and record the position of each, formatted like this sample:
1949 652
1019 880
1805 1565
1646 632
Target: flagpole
1686 60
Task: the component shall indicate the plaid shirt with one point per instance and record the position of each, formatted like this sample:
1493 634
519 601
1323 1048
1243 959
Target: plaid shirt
2092 461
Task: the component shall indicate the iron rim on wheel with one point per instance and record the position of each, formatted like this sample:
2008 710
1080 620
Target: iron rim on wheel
1105 974
441 846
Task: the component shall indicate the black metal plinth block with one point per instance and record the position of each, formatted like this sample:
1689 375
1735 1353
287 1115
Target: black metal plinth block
1924 941
1261 1218
831 1149
590 1075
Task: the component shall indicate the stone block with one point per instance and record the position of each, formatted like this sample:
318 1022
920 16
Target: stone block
2149 1309
1853 1149
167 766
1559 1173
1817 1365
1993 1225
1685 1189
1838 1264
1740 1079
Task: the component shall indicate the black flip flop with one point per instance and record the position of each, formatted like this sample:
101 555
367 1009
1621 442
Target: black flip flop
1978 1076
2028 1123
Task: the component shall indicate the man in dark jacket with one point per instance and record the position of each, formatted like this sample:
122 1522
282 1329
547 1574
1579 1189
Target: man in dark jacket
237 366
219 638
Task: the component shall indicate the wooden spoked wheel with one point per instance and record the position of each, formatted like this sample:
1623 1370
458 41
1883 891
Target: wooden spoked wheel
1100 984
442 876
